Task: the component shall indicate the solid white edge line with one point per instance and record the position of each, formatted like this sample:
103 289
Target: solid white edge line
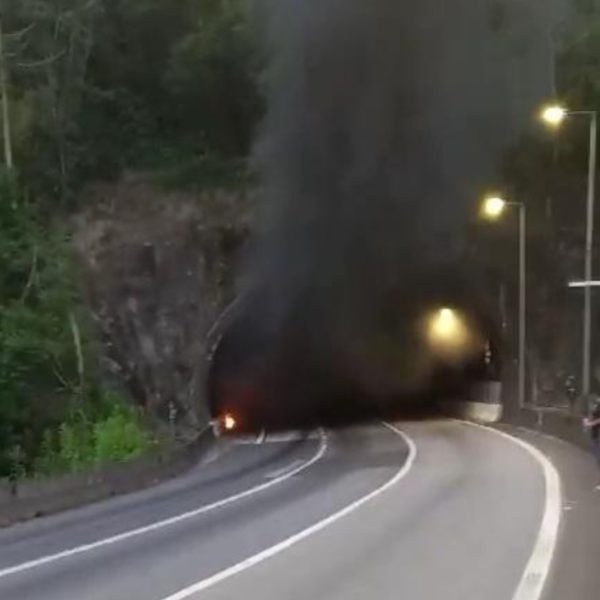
170 521
534 578
279 472
305 533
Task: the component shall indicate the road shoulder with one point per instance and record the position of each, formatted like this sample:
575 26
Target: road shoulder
575 573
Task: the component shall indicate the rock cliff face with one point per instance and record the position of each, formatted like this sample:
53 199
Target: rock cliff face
158 268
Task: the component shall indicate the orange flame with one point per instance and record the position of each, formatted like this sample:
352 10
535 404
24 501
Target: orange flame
229 422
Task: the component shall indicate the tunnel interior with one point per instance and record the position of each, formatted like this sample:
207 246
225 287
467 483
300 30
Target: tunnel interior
301 372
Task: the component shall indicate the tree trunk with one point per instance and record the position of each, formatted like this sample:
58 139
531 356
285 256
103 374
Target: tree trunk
6 132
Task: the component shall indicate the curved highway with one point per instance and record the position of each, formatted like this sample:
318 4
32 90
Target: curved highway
417 511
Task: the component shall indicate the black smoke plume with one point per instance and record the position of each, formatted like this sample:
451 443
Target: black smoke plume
386 121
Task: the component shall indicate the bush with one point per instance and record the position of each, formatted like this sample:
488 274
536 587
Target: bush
51 400
79 443
119 437
38 359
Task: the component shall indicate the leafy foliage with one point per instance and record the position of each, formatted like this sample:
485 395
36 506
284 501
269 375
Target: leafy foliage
119 437
103 85
95 87
36 351
47 350
79 443
212 74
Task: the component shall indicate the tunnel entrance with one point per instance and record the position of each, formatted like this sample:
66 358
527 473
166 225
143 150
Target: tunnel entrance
276 379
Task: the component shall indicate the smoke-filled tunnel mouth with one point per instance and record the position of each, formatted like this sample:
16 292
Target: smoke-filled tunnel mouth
377 141
275 381
333 413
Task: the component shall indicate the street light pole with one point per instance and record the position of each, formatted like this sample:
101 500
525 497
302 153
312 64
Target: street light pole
522 301
554 115
493 208
589 252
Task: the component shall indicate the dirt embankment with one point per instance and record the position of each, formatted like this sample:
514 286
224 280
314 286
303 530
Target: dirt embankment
158 268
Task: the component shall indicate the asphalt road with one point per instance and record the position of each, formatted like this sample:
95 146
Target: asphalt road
424 511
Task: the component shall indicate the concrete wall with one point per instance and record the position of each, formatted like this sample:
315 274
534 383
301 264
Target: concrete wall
33 498
480 412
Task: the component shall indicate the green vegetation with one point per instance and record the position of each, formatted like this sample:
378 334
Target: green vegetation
91 88
97 86
53 412
79 443
37 354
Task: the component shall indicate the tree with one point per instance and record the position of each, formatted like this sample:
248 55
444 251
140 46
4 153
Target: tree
97 86
4 91
213 77
6 130
56 66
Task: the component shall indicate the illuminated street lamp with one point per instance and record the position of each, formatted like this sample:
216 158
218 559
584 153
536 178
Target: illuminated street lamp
554 116
493 208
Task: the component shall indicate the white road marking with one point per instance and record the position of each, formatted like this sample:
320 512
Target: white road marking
302 535
533 580
287 436
284 437
244 440
211 457
171 521
283 471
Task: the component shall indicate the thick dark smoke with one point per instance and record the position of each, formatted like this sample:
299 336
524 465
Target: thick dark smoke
386 120
386 117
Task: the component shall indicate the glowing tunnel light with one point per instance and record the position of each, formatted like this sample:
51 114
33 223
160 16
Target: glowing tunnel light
446 329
